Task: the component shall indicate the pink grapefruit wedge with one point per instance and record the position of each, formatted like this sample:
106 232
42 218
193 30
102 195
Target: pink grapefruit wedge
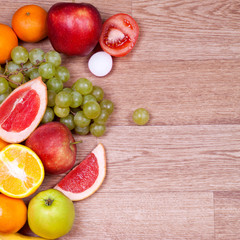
85 178
22 111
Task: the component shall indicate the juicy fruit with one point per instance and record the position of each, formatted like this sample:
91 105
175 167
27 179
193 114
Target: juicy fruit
50 214
61 102
30 23
74 28
140 116
22 171
13 214
119 35
17 236
22 111
86 177
8 41
53 143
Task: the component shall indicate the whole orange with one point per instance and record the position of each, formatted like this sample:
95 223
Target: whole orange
3 144
13 214
30 23
8 40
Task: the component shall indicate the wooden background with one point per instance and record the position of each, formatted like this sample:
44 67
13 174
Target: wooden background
178 177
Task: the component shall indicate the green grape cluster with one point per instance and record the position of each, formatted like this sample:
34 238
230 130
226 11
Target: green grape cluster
81 107
25 66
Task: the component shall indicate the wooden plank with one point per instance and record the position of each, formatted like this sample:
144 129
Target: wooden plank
167 158
175 92
187 30
168 216
106 8
172 158
227 215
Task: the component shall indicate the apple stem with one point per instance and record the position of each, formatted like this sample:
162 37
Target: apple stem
76 142
48 202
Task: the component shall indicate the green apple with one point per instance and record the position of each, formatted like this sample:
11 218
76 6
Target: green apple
50 214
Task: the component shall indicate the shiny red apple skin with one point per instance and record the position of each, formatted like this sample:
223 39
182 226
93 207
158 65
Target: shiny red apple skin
74 28
52 142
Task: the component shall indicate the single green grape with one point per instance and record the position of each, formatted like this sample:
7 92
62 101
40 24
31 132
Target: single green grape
108 105
81 120
62 73
88 98
16 80
3 85
36 56
91 110
97 130
3 96
19 55
25 79
27 68
98 93
51 98
82 131
55 84
75 110
66 89
140 116
68 121
34 73
76 99
83 86
47 70
48 116
103 117
61 112
63 99
53 57
12 67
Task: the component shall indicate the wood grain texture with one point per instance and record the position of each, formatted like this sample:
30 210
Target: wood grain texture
173 158
227 215
168 216
178 176
188 30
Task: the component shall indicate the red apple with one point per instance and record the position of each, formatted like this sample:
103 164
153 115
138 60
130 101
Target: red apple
53 143
74 28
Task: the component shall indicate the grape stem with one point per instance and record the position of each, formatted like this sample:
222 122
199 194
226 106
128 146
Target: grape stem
7 78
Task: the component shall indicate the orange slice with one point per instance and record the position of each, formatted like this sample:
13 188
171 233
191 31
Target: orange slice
21 171
85 178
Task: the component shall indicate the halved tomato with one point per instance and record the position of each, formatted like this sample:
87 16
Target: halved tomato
119 35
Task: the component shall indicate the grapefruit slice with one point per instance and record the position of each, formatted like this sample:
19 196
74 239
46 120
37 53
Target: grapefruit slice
22 171
22 111
85 178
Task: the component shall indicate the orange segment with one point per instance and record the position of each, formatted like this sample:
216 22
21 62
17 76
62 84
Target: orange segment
21 171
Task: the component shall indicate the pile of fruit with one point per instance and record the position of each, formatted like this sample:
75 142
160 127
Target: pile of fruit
82 107
38 114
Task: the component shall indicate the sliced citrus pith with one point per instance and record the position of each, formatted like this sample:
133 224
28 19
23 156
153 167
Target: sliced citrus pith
21 171
22 111
85 178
